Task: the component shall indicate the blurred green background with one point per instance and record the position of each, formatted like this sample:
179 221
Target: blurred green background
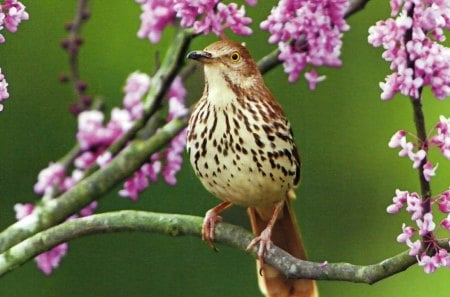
349 175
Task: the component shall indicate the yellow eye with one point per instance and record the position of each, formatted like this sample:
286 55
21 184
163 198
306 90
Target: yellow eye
235 57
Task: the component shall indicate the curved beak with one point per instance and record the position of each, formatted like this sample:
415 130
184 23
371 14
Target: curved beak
200 56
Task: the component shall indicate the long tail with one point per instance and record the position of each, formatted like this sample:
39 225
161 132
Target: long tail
286 235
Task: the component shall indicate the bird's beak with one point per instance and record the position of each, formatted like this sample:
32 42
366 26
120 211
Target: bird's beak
200 56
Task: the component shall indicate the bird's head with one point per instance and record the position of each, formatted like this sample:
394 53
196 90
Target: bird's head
229 58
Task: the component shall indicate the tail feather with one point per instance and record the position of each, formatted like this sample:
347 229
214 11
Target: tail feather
286 235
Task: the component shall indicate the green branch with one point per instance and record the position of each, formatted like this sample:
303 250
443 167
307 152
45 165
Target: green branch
93 187
179 225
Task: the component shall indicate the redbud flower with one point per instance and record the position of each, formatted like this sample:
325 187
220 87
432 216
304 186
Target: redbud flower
429 170
429 263
446 223
167 162
414 206
414 247
430 59
407 233
426 225
313 78
399 200
204 16
49 260
319 23
398 139
444 202
23 210
3 89
136 87
417 158
49 179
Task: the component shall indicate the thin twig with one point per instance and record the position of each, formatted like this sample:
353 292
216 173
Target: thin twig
179 225
73 46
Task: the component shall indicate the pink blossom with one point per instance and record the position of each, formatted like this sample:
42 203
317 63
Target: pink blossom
89 209
15 15
176 95
426 225
104 159
167 162
414 247
429 170
431 60
3 89
49 179
136 86
398 139
407 149
313 78
204 16
155 16
446 223
398 201
92 133
134 185
429 263
23 209
442 257
444 202
12 13
49 260
319 23
407 233
174 159
417 158
442 138
414 206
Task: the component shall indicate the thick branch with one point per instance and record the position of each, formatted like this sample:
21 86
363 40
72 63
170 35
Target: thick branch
177 225
93 187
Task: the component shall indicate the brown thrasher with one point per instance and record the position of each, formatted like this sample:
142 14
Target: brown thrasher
241 147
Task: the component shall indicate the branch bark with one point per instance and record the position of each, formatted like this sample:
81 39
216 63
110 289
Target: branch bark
180 225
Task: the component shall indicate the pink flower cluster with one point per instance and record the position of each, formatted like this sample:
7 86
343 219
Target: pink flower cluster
422 60
440 139
95 137
429 253
203 15
318 23
167 162
12 13
3 89
49 260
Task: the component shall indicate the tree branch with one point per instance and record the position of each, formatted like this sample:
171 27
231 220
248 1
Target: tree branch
93 187
178 225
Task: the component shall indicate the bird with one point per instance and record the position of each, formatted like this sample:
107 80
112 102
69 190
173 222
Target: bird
242 149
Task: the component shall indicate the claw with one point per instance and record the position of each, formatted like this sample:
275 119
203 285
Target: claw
209 226
209 223
264 245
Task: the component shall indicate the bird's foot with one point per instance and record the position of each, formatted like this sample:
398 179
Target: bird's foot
264 244
209 226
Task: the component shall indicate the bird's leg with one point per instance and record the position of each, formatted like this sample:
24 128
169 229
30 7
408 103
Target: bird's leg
210 220
264 238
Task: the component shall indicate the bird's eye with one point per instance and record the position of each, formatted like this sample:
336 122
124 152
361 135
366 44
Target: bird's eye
235 57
